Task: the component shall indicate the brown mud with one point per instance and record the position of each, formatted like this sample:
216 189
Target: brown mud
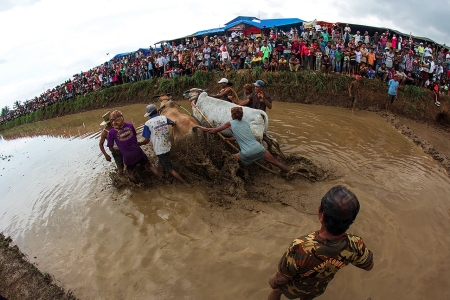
433 139
208 163
19 279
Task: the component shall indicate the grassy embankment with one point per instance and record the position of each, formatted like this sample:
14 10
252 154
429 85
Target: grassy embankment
303 87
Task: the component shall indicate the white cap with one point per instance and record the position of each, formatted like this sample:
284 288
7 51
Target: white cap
223 80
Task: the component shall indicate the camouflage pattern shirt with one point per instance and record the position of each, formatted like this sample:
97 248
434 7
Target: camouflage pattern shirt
312 261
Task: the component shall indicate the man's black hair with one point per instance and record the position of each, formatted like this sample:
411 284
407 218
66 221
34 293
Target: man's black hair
339 207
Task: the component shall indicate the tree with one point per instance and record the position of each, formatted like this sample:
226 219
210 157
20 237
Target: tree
17 104
5 111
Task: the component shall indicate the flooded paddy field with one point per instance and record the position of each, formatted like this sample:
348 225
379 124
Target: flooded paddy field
60 205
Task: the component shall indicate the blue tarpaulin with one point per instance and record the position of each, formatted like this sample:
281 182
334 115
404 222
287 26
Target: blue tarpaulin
241 18
146 51
268 23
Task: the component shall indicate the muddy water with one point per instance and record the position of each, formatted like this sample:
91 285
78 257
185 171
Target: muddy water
169 243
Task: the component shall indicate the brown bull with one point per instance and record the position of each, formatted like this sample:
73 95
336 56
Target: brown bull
185 124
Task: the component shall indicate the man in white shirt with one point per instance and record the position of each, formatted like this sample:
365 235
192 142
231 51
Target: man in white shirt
428 51
157 128
160 64
358 37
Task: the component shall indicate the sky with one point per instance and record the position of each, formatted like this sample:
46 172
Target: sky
46 42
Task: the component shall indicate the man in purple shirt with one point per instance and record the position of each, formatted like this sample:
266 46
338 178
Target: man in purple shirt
124 135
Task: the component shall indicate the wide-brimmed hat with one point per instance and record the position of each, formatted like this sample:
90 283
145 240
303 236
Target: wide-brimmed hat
151 109
223 80
105 118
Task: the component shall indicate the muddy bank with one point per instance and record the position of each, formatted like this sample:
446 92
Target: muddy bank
19 279
438 134
208 163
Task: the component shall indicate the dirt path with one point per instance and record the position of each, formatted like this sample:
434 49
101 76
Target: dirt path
434 140
20 279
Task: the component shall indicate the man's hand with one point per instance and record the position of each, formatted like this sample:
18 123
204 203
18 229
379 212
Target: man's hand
108 158
205 129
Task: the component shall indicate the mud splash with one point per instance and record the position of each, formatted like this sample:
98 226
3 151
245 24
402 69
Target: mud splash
207 162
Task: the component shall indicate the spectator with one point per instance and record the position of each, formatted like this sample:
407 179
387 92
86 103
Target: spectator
282 63
235 63
256 61
392 92
326 65
265 50
294 63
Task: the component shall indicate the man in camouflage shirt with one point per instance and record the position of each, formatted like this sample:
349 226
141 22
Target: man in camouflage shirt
311 261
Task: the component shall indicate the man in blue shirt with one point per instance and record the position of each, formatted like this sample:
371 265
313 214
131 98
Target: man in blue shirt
392 92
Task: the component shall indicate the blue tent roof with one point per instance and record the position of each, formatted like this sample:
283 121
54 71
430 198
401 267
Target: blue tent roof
146 51
209 31
241 18
280 22
268 23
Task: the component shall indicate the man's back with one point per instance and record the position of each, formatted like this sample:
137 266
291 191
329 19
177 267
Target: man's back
126 140
312 261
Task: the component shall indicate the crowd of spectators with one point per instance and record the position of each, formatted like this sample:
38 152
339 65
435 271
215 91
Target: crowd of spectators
321 49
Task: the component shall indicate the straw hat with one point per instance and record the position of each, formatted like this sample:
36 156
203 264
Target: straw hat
105 118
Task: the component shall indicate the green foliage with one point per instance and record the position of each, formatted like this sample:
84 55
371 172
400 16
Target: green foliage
414 92
256 72
5 111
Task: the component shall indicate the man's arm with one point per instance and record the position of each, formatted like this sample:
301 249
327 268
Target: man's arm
102 141
266 101
214 130
144 142
220 95
170 122
146 133
350 90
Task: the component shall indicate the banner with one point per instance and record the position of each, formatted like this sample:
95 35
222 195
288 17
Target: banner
237 27
311 24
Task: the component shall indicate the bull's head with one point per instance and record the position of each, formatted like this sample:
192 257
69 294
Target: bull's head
193 93
163 97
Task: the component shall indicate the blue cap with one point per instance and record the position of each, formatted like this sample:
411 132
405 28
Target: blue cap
259 83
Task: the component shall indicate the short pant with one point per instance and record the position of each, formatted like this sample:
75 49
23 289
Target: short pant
354 99
143 161
164 160
390 99
118 158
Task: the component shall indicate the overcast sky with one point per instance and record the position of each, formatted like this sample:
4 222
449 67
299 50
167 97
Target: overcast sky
45 42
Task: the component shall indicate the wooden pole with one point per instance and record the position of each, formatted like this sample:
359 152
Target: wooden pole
228 142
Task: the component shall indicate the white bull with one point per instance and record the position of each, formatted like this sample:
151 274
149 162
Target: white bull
218 112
